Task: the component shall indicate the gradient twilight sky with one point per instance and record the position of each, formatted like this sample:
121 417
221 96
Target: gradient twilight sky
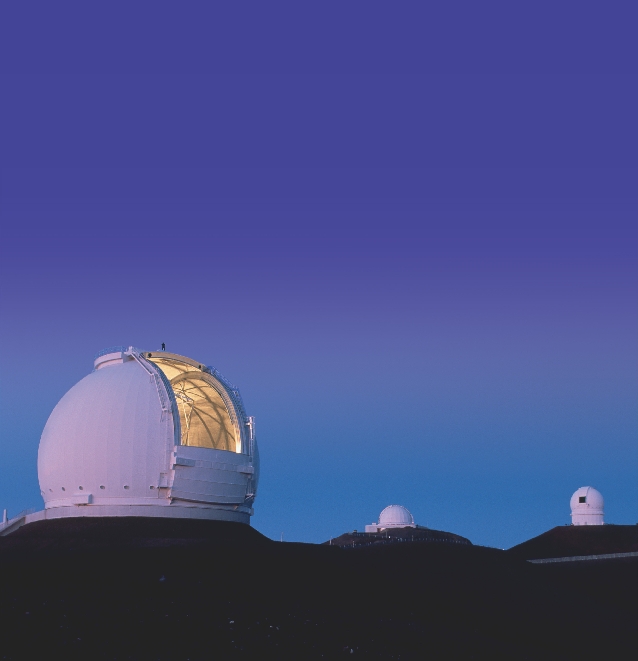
407 234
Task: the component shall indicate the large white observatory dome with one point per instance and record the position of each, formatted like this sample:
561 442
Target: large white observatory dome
149 434
395 516
587 506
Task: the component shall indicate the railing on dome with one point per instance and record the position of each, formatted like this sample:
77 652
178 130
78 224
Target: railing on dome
108 350
158 377
19 515
230 387
232 390
235 397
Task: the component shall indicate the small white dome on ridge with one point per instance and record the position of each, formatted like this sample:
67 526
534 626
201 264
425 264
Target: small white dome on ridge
396 516
587 505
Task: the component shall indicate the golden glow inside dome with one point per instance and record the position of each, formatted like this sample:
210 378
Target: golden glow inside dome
207 417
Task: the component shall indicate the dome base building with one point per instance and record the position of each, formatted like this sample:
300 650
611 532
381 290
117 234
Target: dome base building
587 507
393 516
150 434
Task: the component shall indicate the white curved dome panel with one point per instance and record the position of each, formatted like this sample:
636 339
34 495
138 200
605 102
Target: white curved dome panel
395 516
588 507
108 437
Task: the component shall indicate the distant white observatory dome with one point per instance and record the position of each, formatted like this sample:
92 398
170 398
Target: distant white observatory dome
587 506
149 434
393 516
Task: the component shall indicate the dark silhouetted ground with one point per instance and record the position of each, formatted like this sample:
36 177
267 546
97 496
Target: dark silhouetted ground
152 589
565 541
416 535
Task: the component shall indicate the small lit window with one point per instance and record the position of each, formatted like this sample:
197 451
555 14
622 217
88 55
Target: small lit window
582 499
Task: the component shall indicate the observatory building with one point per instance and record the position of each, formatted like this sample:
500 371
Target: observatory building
150 434
396 526
587 506
393 516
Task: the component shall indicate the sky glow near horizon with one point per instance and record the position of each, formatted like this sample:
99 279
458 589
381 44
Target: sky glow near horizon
419 268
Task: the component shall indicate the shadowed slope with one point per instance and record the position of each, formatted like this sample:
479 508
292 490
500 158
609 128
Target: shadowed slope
397 536
174 590
566 541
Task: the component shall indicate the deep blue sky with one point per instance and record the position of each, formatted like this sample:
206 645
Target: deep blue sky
407 234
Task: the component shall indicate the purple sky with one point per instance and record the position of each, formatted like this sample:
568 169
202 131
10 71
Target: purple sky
408 236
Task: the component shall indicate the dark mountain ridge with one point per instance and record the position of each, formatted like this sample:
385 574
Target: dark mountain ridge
417 535
565 541
171 589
